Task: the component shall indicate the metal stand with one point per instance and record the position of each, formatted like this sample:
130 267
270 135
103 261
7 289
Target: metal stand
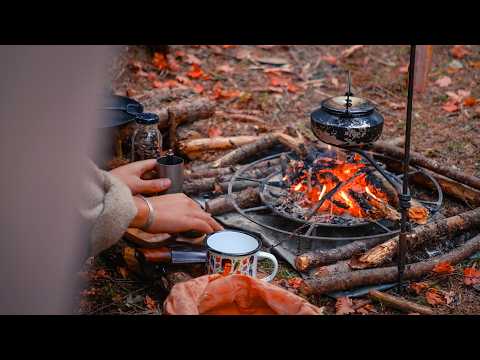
405 197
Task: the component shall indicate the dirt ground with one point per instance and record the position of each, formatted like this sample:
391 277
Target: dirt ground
282 85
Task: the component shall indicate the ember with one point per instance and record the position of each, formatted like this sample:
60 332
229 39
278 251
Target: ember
343 186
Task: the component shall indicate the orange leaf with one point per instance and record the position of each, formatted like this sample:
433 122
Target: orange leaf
165 84
475 64
434 297
443 268
218 92
160 61
195 72
229 46
471 276
450 106
469 101
332 60
292 88
151 304
179 53
459 51
417 288
343 306
278 81
214 132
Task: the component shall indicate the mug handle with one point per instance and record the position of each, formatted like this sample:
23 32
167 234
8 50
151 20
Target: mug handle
273 259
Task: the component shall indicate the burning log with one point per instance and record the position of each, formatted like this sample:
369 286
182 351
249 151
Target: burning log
427 233
216 143
399 303
244 152
187 111
314 258
222 205
419 159
355 279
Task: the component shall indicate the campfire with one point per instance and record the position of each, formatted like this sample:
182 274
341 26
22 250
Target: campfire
340 190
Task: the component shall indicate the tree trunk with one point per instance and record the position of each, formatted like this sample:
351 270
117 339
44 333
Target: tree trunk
427 233
355 279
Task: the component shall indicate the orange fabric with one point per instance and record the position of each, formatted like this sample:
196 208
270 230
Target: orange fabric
234 295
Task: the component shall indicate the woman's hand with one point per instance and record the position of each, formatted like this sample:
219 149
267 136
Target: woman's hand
173 214
131 175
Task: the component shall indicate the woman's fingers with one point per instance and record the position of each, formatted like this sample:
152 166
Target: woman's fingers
153 186
143 166
209 219
200 225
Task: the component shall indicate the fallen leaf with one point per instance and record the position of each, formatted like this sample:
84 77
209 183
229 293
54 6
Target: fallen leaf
292 88
443 268
348 52
367 309
214 131
173 64
122 271
160 61
219 92
475 64
343 306
229 46
198 88
434 297
278 81
295 282
151 304
330 59
444 81
459 51
192 59
471 276
469 101
195 72
164 84
463 93
179 53
417 288
403 69
225 68
334 81
152 76
450 106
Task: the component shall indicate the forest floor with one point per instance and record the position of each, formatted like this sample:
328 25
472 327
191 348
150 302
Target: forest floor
282 85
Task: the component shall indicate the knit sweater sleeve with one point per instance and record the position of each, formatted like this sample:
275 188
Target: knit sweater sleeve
108 207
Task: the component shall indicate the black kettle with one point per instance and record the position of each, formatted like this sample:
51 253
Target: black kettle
347 121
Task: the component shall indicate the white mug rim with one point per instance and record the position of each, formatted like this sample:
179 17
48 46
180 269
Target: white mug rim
257 249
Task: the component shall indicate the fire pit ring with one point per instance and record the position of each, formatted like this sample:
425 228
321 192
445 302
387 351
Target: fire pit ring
310 227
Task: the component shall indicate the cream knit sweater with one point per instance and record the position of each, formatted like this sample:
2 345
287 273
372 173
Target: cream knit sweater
108 208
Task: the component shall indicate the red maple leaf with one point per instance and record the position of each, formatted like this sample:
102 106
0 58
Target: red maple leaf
469 101
417 288
151 304
450 106
434 297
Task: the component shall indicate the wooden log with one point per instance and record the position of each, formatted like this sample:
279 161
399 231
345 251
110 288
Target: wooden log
423 63
216 143
295 144
419 159
187 111
199 186
355 279
336 268
222 205
315 258
427 233
244 152
448 186
209 173
399 303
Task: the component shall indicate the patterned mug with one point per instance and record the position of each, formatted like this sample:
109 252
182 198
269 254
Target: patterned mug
236 252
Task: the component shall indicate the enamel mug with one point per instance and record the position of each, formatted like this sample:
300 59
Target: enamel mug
235 252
